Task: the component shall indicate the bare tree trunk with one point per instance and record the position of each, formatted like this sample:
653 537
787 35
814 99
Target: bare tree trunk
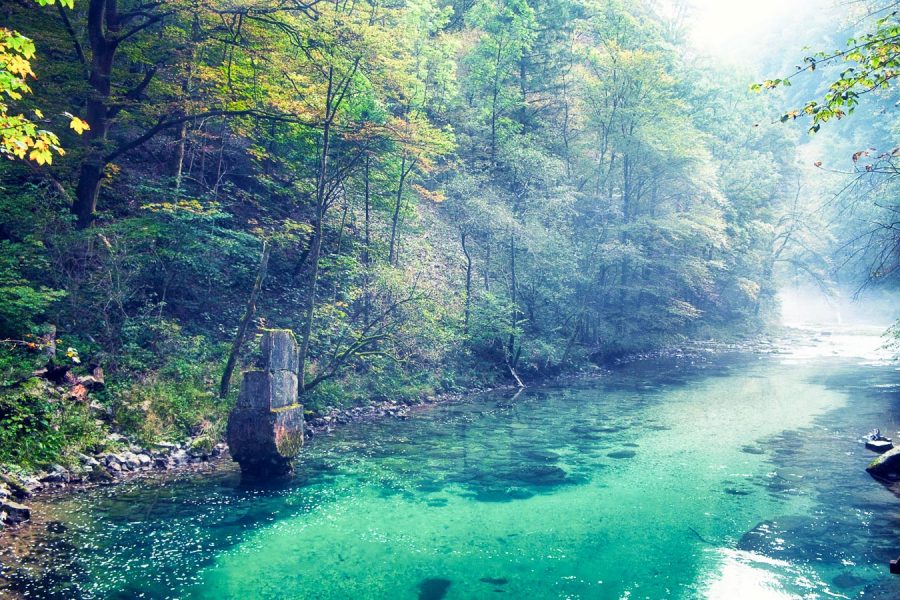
245 322
186 89
404 171
468 308
513 297
316 249
512 371
366 250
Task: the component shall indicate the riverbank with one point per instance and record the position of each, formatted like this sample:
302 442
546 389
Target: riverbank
133 461
524 494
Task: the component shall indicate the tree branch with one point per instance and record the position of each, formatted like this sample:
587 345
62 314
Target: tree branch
79 51
163 125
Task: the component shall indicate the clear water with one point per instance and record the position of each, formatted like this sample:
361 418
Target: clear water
736 477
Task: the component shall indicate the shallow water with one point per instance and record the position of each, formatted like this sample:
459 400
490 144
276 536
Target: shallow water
738 476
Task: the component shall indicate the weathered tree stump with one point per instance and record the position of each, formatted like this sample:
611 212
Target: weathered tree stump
265 428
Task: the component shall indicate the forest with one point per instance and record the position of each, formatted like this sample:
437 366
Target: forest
445 299
434 195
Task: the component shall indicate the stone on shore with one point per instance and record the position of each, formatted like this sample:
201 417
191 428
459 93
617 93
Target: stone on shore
16 486
265 429
14 513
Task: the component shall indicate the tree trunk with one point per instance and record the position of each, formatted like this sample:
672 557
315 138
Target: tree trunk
495 95
468 308
513 296
404 171
88 190
245 322
179 155
186 86
102 16
316 249
366 249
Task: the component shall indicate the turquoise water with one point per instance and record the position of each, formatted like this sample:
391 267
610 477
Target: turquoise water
734 477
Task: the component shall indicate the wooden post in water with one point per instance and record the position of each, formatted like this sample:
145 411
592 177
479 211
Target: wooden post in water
265 428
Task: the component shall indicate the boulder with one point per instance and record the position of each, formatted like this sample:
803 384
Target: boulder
15 513
90 383
95 381
130 461
886 466
99 475
88 461
17 487
58 474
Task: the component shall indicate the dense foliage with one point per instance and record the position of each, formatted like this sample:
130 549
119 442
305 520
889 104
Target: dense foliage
433 194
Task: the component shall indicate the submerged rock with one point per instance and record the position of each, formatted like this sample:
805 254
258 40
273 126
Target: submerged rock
848 580
434 588
622 454
539 475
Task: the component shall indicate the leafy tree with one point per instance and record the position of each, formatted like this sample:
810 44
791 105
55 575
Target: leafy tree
20 137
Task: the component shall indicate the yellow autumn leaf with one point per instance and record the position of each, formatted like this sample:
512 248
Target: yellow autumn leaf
79 125
38 157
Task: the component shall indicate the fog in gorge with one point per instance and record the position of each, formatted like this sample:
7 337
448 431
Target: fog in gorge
831 280
811 305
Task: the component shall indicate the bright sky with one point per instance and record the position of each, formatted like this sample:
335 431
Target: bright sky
741 31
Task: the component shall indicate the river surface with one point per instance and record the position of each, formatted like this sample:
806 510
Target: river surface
730 477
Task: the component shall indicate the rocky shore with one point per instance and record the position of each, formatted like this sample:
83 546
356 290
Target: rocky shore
698 349
133 460
99 469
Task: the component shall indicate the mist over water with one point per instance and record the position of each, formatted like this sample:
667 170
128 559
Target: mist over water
808 305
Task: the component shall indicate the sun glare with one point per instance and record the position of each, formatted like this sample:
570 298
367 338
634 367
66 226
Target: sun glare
745 32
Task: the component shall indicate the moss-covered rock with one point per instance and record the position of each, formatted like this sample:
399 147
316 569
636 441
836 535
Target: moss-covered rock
886 466
16 486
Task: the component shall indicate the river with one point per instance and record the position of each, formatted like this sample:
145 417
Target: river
725 477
